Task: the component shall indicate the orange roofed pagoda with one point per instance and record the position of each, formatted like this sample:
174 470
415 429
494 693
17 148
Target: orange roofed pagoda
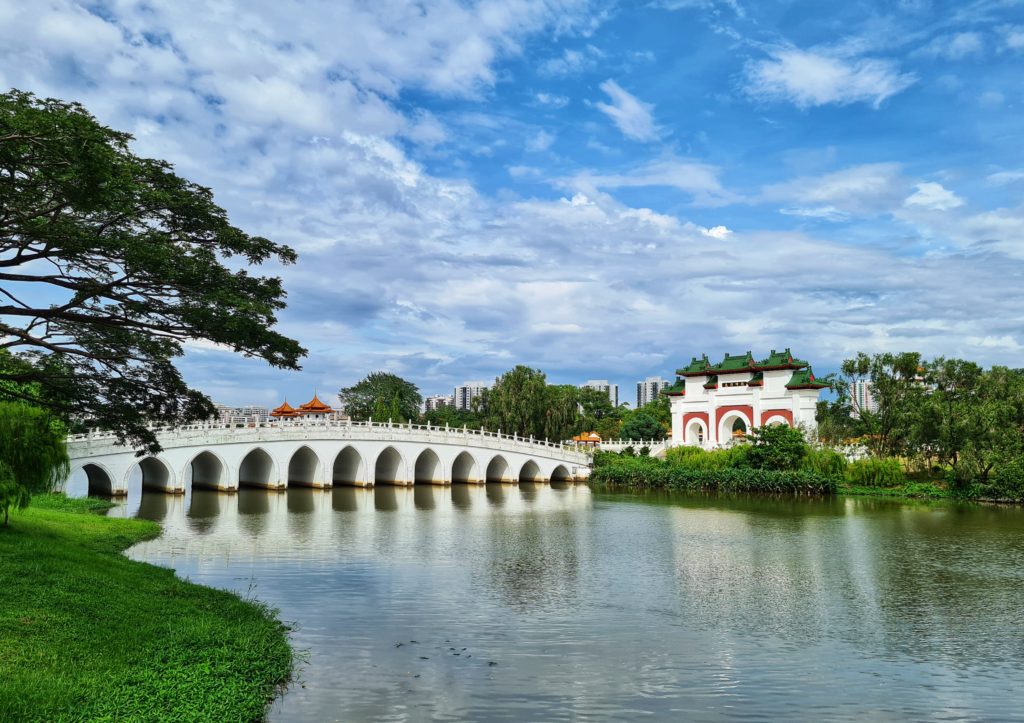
313 409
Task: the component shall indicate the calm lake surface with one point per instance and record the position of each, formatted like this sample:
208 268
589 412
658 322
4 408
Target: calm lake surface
535 602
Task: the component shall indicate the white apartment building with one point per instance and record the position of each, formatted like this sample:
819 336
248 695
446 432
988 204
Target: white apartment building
861 398
603 385
436 401
469 391
648 390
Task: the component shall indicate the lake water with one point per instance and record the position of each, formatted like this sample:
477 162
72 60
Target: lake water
535 602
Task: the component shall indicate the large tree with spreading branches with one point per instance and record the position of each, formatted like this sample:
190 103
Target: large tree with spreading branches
109 263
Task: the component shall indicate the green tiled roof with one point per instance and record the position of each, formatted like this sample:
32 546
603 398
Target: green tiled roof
677 389
782 358
757 380
711 383
696 366
734 364
739 362
804 379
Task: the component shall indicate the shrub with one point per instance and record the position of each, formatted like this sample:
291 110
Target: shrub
776 446
874 472
697 458
1006 482
824 461
647 473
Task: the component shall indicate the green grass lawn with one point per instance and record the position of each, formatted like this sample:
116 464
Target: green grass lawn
87 634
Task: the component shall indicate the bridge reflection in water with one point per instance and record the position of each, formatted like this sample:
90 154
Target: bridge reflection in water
263 523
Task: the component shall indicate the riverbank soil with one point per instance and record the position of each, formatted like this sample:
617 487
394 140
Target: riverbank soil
87 634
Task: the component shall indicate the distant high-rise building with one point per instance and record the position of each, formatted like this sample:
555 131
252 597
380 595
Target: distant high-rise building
647 391
861 398
469 391
603 385
436 401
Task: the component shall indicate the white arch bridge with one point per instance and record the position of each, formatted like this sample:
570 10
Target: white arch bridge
321 454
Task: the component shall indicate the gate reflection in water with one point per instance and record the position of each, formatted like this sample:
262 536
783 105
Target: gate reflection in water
601 606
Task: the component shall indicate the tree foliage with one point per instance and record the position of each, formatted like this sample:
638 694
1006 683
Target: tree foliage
33 455
941 414
642 424
452 417
109 262
382 396
516 403
776 446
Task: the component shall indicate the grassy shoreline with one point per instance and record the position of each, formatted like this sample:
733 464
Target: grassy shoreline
87 634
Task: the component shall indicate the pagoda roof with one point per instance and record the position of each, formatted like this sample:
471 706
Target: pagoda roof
314 406
757 380
676 390
804 379
712 383
285 410
740 363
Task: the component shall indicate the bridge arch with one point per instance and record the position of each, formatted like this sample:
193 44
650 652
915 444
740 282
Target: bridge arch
530 472
465 469
207 470
498 470
258 469
99 480
560 474
156 475
349 468
428 468
389 468
303 468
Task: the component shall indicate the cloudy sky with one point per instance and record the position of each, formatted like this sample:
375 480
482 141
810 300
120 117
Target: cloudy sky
595 188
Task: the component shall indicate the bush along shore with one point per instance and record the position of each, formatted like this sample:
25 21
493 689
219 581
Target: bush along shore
87 634
778 460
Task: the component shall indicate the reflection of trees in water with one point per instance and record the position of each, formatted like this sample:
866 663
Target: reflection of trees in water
533 559
891 579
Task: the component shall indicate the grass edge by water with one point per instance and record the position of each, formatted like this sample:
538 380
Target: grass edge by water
88 634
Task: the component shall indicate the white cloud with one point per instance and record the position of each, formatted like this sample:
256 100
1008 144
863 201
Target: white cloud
868 189
552 100
934 197
954 47
717 232
632 116
571 62
1013 37
808 78
1003 178
541 141
698 179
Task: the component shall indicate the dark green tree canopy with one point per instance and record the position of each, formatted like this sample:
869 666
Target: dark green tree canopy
33 456
108 263
642 424
382 396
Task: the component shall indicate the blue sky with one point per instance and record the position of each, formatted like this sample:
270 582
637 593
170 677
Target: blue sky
599 189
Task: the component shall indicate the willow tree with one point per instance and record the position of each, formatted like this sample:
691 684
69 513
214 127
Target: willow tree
109 262
33 457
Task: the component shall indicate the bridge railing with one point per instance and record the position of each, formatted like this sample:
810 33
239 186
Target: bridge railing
219 432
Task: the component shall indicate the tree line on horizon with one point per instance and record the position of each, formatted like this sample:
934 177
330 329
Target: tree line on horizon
948 417
521 401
